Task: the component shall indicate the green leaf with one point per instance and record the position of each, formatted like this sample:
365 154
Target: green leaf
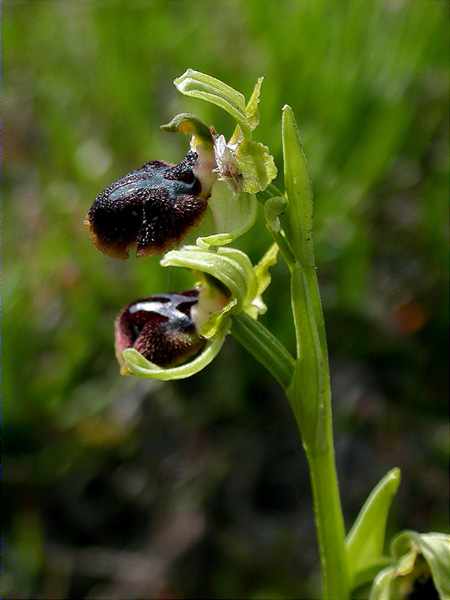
365 542
416 556
204 87
298 221
138 365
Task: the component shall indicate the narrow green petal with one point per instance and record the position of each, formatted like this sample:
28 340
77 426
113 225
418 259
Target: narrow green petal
141 367
263 279
252 105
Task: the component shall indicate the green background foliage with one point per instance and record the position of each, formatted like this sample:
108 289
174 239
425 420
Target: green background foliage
124 488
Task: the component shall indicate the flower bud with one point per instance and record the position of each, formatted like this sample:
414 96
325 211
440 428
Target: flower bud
160 328
151 208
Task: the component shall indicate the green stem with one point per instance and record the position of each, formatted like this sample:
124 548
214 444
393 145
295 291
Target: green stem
306 383
265 347
310 398
329 525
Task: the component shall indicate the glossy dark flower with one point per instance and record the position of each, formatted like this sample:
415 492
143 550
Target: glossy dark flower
151 208
160 328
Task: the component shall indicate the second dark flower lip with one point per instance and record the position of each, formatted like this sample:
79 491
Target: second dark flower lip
161 328
151 208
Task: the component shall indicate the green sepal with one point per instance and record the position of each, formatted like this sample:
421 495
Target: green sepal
231 267
415 555
232 215
365 541
209 321
136 364
298 218
367 575
204 87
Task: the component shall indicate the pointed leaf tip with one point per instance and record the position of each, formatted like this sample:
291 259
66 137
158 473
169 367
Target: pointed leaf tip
299 212
365 542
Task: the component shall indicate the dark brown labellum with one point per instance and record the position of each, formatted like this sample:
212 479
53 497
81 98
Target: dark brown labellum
151 209
160 328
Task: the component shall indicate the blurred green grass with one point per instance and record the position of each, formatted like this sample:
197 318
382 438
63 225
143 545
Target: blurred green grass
87 85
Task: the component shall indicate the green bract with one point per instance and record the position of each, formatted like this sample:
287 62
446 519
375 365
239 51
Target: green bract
229 284
365 542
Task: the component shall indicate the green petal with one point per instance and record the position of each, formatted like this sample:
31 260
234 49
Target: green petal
252 105
365 542
139 366
263 279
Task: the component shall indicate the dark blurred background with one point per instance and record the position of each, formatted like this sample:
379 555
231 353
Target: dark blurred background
119 488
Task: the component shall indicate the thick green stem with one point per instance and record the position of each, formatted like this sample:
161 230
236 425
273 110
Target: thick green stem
329 525
308 391
310 398
265 347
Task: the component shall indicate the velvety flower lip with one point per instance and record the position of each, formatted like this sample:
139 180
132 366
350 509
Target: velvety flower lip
161 328
151 208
